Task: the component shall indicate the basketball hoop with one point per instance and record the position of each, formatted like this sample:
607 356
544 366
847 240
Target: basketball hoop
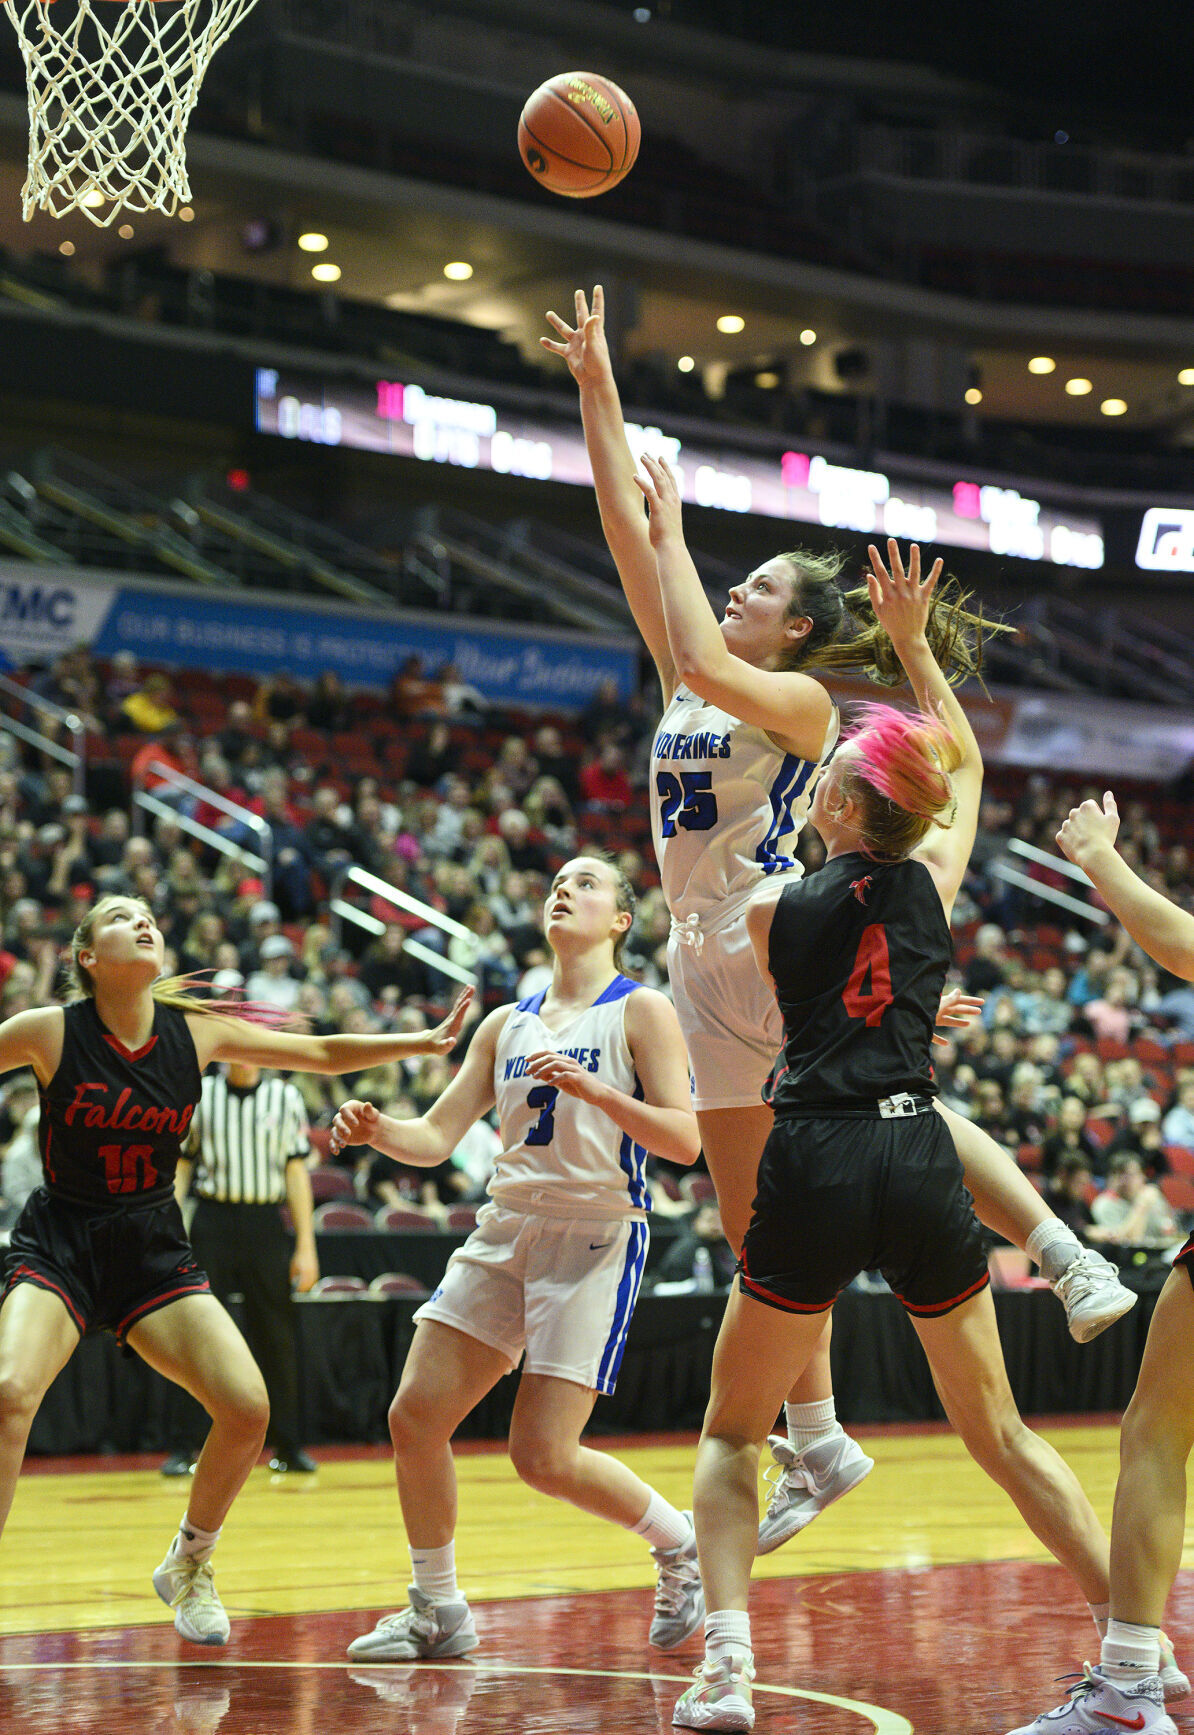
111 87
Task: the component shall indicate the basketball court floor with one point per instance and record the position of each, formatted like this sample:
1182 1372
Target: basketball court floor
918 1603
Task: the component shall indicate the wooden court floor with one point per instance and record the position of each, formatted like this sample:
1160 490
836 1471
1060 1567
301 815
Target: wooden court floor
919 1603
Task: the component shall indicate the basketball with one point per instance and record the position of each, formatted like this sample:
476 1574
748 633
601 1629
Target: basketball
578 134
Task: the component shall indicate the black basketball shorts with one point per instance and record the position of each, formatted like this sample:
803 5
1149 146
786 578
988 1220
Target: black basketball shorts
1185 1256
109 1267
838 1195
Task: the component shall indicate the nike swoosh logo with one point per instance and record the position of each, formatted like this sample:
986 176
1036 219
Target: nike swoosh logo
596 1246
1136 1722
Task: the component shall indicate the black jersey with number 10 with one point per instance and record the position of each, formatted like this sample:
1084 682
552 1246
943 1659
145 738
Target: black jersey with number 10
859 953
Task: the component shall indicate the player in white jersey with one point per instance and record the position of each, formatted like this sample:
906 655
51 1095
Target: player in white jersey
745 727
587 1077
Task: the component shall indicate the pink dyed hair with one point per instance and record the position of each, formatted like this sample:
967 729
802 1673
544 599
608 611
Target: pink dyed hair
900 772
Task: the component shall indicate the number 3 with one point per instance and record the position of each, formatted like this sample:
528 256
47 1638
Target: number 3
871 959
543 1097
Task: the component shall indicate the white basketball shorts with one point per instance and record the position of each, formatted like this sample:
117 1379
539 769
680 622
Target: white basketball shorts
728 1013
562 1290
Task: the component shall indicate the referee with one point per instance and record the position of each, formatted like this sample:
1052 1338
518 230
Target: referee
246 1156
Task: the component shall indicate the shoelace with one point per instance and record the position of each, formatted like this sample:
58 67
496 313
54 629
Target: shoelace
688 932
782 1479
1076 1283
199 1582
675 1578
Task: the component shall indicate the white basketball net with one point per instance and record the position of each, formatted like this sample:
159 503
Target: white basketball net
111 87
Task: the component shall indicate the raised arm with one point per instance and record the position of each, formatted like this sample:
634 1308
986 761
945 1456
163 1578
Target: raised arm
584 348
222 1038
661 1121
431 1138
902 600
792 707
1165 932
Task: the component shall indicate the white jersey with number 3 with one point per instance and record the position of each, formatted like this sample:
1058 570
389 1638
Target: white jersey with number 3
562 1157
727 804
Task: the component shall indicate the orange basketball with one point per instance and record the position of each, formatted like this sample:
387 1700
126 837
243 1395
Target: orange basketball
578 134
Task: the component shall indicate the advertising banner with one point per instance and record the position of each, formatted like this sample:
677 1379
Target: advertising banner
180 626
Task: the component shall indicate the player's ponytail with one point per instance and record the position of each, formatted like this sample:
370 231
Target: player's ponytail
184 993
899 773
846 635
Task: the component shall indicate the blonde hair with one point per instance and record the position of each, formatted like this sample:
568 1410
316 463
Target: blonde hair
901 777
176 991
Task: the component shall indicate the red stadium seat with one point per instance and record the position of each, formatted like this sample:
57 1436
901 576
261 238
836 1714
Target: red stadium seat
393 1219
1179 1191
341 1217
1029 1158
462 1217
700 1189
339 1288
1180 1160
1108 1049
397 1283
1149 1052
328 1182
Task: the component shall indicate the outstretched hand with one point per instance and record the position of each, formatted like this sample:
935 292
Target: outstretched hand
662 494
900 598
957 1010
444 1037
1089 828
355 1124
583 345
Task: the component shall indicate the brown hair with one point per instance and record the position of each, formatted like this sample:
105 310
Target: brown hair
846 634
900 778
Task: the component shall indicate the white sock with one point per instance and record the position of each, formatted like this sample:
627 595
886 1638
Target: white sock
434 1572
192 1543
726 1630
1130 1653
1053 1247
1099 1614
808 1423
662 1525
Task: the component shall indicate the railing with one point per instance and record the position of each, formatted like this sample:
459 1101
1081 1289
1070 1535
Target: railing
73 757
342 911
144 802
1050 894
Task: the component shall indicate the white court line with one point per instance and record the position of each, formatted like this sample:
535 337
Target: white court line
884 1722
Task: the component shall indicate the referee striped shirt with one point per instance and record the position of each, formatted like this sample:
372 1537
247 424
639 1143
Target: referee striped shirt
243 1139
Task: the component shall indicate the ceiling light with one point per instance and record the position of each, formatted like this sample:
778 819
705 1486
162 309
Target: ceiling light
1113 407
1078 388
808 336
973 395
185 214
92 199
767 380
731 322
686 364
1041 364
126 231
326 272
313 242
1186 377
66 248
458 270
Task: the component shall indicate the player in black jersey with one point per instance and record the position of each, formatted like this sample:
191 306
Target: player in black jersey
101 1246
860 1172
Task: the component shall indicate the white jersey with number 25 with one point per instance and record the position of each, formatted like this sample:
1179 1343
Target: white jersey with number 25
727 804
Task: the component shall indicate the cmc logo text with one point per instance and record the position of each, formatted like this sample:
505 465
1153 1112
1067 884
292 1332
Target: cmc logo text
32 605
1167 539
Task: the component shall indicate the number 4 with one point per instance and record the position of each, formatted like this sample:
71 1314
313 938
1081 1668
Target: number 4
871 960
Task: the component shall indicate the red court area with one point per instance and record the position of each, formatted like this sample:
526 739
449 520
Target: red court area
962 1650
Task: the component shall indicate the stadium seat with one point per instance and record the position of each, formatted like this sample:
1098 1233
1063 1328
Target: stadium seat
328 1182
393 1219
1108 1049
1029 1158
1149 1052
338 1216
339 1288
1180 1159
1179 1191
397 1283
462 1217
700 1189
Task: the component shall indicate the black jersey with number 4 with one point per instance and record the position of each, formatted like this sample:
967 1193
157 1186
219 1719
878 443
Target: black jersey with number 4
859 953
113 1119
